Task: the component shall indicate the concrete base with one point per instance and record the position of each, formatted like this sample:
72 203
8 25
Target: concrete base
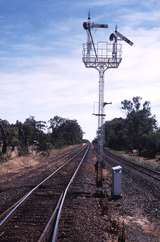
116 197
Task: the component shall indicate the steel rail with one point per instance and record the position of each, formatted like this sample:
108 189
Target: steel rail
46 234
56 227
147 168
135 164
144 170
14 207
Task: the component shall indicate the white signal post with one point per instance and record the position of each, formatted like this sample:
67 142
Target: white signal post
101 56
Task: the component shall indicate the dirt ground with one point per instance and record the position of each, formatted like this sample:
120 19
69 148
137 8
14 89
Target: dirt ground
29 221
20 174
89 218
19 165
150 163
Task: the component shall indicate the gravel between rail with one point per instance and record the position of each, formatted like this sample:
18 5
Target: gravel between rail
84 217
140 204
87 218
29 220
16 182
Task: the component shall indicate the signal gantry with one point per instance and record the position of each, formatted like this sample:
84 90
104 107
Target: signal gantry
101 56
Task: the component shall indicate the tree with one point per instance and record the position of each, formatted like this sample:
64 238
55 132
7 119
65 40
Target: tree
13 136
116 134
139 121
31 132
4 132
65 131
133 105
137 131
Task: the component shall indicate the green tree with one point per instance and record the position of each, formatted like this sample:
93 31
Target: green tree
139 121
13 136
31 132
4 133
137 131
116 133
65 131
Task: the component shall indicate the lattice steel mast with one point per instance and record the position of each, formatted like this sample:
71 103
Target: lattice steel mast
101 56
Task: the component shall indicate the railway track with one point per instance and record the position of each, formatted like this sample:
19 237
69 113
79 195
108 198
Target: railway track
12 192
36 213
117 160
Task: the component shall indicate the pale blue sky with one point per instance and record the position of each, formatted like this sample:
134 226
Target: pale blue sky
41 72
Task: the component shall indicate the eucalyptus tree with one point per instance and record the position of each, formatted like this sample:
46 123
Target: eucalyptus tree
4 134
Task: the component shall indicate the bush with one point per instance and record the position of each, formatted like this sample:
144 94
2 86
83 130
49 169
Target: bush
148 153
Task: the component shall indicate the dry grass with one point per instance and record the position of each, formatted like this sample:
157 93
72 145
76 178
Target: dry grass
18 164
150 163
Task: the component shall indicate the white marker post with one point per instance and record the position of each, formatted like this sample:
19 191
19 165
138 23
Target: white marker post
116 182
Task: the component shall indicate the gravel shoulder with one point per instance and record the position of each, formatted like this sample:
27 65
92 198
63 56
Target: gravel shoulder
150 163
89 218
86 217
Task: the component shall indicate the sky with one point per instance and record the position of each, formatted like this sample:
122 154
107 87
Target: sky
41 68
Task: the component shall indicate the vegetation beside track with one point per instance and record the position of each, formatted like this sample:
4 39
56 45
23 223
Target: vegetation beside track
145 162
137 132
22 164
32 135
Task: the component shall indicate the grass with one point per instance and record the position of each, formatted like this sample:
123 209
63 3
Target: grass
150 163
